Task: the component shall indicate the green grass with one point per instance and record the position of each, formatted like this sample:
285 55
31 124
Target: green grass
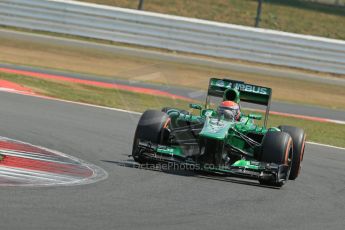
287 15
326 133
94 95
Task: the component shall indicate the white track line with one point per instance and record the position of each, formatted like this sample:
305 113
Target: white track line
324 145
128 111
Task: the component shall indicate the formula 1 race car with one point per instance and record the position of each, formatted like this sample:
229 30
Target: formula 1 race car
222 141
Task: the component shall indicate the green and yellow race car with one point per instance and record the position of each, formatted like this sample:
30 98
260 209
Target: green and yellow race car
222 140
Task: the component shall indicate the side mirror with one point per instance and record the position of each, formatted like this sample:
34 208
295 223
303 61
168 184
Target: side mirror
255 116
195 106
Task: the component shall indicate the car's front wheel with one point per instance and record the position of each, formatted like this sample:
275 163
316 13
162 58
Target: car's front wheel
298 137
277 148
150 128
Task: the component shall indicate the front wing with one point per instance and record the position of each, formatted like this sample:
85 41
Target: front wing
243 168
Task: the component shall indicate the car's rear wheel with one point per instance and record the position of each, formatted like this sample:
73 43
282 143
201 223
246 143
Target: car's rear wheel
298 137
150 128
277 148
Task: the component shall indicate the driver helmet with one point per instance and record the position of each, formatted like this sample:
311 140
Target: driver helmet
231 108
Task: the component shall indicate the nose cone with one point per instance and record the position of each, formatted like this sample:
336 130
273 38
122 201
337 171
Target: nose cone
215 128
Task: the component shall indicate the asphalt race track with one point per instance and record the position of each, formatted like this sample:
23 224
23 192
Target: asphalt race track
132 198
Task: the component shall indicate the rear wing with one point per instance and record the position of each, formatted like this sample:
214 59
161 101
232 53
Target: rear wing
248 93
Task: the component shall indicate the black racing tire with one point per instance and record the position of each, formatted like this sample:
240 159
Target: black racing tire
277 148
299 138
150 128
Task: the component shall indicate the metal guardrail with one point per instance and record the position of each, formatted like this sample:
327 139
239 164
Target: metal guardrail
329 2
176 33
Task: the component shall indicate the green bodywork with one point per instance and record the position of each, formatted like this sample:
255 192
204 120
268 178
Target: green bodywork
246 92
246 164
219 129
230 145
176 152
215 128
